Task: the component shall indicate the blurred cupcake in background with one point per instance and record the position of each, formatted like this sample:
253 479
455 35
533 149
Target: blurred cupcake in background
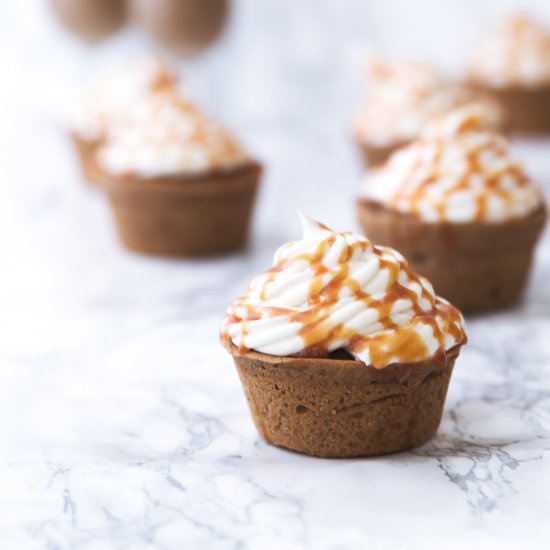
91 20
402 97
513 63
112 101
460 209
178 182
186 26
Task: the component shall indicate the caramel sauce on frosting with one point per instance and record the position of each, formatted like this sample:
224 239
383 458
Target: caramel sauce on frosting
168 135
459 171
403 96
145 126
115 96
333 291
516 53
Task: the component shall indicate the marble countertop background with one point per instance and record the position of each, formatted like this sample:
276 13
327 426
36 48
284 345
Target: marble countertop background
122 421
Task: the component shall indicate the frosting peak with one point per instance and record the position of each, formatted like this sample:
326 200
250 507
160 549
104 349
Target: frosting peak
403 96
332 291
312 229
459 171
515 53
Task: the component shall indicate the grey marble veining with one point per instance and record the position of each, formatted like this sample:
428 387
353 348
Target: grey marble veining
122 421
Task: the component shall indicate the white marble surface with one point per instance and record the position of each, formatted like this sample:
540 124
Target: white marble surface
122 422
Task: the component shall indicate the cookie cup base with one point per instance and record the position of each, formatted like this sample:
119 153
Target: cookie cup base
376 155
476 266
86 151
343 408
184 216
527 110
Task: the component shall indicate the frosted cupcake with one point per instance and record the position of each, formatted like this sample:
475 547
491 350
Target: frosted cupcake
342 349
460 208
184 25
402 97
91 20
513 64
112 101
179 183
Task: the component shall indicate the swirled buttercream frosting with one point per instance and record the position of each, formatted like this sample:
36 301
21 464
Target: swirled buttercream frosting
170 136
459 171
338 291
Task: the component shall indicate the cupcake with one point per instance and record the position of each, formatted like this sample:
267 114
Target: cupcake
401 98
178 182
342 349
184 25
92 20
112 101
513 64
462 211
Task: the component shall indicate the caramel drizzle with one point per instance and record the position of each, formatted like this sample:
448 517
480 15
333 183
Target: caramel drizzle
392 344
415 193
203 132
99 102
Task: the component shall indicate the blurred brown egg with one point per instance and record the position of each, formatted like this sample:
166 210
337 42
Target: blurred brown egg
92 20
186 26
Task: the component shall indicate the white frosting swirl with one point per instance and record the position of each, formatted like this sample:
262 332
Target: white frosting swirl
334 291
517 53
168 136
403 96
117 95
459 171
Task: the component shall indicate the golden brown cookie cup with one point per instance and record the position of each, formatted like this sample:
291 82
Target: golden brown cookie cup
184 216
86 151
476 266
527 110
375 155
342 408
92 20
186 26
